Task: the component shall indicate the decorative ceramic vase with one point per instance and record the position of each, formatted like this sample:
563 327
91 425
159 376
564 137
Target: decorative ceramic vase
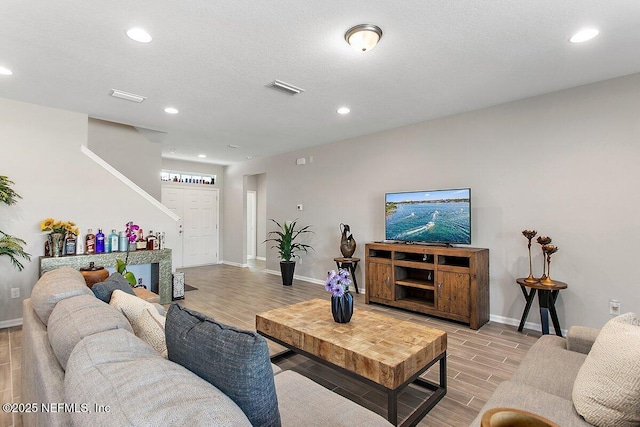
342 307
347 244
56 244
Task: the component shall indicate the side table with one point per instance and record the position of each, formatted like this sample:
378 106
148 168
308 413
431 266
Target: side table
547 295
350 264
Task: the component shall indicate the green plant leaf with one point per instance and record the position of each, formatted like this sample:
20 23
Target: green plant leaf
131 278
120 266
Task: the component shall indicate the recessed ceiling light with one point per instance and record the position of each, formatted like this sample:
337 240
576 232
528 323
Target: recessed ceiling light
202 156
139 35
584 35
171 110
343 110
5 71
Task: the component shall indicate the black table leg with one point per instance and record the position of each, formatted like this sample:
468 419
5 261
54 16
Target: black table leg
544 300
529 296
554 314
352 269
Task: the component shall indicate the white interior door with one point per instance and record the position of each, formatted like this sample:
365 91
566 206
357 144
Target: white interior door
173 198
251 224
199 210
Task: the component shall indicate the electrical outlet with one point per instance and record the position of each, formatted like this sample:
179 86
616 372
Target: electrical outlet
15 292
614 307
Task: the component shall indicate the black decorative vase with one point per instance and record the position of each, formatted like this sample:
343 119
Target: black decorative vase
286 269
342 307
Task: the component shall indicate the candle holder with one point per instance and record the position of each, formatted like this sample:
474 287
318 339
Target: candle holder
543 240
530 234
548 250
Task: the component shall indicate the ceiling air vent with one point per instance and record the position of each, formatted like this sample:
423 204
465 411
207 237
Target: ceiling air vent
126 95
284 87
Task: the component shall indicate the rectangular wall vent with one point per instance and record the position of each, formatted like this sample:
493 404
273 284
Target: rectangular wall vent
126 95
284 87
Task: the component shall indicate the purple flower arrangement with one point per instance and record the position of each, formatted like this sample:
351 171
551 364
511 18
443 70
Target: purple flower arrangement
337 283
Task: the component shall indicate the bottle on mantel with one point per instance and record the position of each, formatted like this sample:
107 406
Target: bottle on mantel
141 243
151 241
90 246
100 241
80 242
114 241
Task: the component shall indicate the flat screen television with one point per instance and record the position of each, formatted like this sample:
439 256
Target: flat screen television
436 216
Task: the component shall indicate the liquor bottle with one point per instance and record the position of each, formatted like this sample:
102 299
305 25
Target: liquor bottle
123 244
80 244
151 240
161 240
70 245
156 242
100 241
113 241
141 243
90 246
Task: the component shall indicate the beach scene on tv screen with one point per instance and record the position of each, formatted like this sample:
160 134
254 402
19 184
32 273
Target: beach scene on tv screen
428 216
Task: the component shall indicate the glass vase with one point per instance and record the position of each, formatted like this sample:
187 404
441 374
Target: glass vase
342 307
56 244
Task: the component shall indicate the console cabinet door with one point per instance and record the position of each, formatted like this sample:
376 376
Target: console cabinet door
453 293
379 281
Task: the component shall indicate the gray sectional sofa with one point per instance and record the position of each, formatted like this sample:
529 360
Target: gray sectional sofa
591 377
83 365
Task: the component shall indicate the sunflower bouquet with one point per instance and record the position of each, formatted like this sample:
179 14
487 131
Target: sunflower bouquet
51 225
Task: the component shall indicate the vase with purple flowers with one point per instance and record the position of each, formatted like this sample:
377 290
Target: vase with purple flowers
341 300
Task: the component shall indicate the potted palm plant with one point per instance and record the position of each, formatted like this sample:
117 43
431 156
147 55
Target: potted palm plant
285 241
11 246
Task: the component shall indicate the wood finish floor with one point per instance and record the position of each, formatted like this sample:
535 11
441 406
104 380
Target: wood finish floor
477 361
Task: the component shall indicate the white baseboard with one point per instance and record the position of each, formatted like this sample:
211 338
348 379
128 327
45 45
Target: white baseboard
528 325
10 323
261 258
303 278
235 264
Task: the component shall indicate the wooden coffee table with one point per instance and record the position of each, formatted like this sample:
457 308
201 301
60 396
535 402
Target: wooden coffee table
386 353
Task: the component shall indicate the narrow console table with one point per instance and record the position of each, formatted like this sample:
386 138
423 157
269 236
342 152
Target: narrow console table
547 296
160 260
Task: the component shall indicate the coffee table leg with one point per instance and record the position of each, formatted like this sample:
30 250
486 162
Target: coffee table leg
392 407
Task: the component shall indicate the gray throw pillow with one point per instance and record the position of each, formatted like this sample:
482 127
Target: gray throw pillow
103 290
235 361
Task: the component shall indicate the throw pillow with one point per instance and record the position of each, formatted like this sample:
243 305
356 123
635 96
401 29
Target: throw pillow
147 324
76 318
54 286
607 388
103 290
233 360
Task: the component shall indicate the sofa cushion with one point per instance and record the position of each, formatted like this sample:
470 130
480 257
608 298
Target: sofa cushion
510 394
54 286
147 324
118 370
549 366
235 361
103 290
303 402
607 389
78 317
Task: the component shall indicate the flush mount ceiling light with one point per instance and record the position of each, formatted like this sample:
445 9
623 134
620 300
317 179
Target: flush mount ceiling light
171 110
284 87
5 71
343 110
363 37
139 35
126 95
584 35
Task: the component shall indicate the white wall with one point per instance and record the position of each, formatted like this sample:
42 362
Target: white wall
127 150
40 152
565 164
261 185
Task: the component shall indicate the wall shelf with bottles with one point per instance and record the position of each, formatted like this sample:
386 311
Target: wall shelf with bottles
187 177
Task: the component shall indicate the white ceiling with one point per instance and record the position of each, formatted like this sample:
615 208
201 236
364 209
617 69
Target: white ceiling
211 60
